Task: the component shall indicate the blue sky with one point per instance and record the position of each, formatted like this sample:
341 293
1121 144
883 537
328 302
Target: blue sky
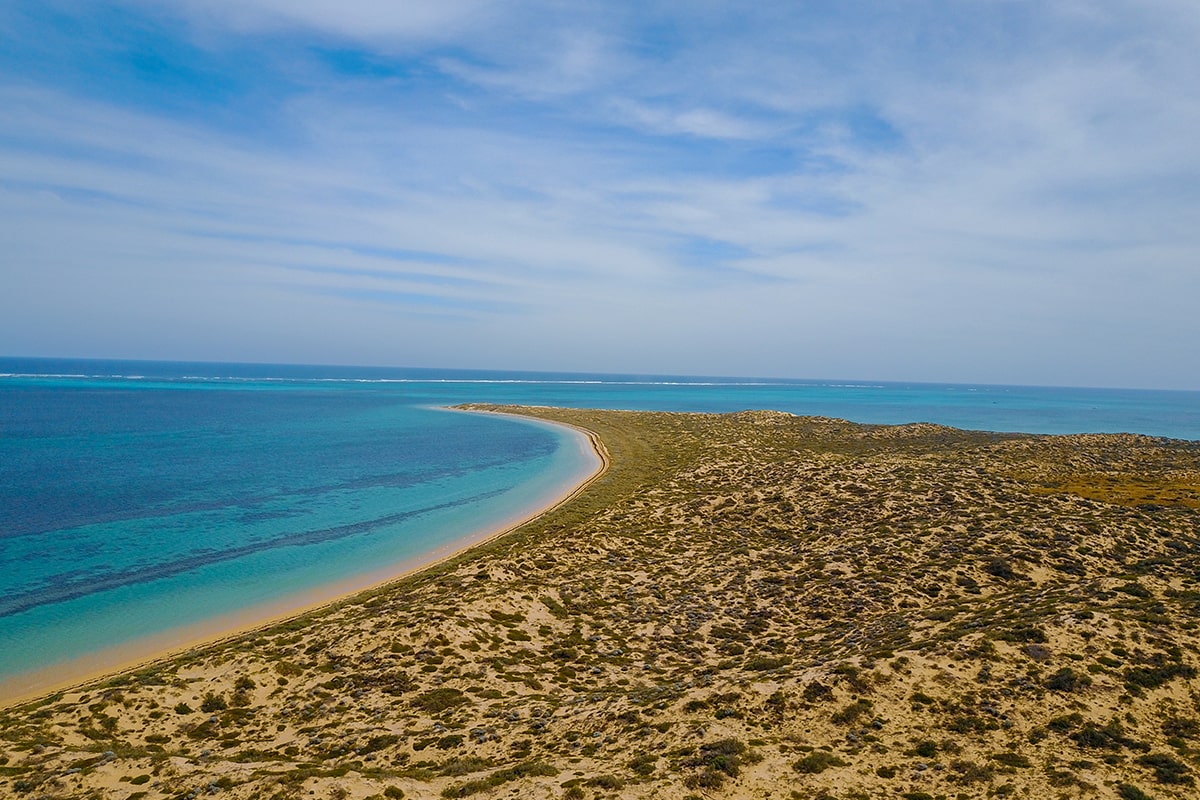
994 191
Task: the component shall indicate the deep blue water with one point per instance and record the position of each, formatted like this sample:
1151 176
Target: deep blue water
137 497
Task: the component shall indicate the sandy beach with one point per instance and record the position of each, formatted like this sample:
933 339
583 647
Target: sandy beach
163 646
748 605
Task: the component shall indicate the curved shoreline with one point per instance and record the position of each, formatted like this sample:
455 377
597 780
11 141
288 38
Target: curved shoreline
147 651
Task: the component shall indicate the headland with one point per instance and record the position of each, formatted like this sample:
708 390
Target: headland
742 605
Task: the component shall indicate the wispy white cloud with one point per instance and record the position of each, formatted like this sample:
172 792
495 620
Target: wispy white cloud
367 20
1005 191
702 122
569 63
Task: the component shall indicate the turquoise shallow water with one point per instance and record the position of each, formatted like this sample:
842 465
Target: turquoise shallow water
136 497
131 507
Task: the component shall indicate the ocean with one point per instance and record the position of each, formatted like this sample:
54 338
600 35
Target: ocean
139 499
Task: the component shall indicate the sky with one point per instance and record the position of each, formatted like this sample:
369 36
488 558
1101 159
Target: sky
972 191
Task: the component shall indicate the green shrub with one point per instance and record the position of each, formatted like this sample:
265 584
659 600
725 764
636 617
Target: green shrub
1167 769
523 770
818 761
1066 722
1025 633
1110 737
644 764
852 712
971 772
377 743
1067 680
1181 728
213 702
721 755
1151 677
1000 568
441 699
817 691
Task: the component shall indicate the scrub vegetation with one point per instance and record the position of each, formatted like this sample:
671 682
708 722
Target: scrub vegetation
743 605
